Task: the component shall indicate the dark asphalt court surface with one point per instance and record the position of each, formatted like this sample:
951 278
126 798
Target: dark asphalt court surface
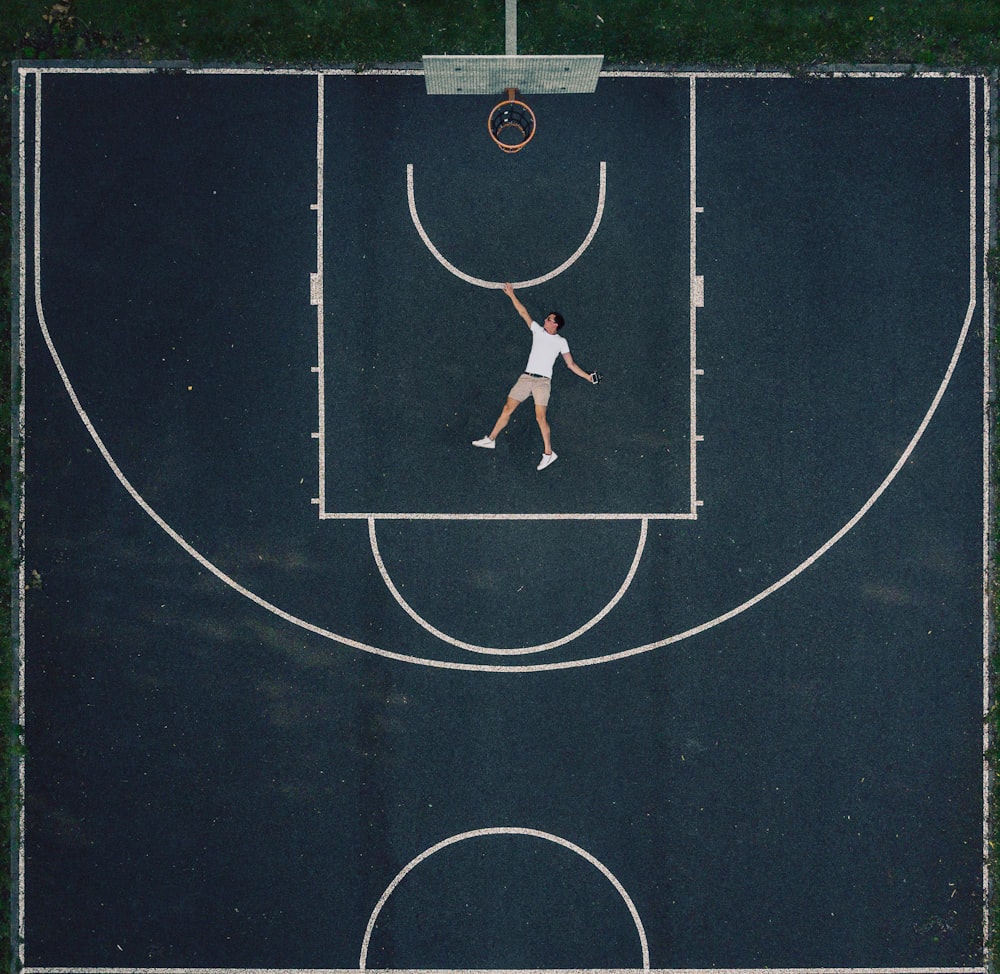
483 733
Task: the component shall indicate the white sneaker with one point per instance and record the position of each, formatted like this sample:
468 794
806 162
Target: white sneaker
486 443
547 460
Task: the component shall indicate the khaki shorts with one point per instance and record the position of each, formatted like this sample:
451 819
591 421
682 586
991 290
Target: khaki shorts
530 385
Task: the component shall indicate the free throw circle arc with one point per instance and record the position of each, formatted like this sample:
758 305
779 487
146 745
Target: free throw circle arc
497 285
482 833
516 651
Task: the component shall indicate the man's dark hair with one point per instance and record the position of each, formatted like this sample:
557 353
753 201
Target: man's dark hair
560 321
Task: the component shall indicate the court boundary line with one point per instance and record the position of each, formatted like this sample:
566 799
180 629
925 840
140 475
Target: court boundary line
37 73
515 970
989 418
17 884
812 73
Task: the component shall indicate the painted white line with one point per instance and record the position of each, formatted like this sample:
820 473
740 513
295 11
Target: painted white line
479 970
484 668
533 833
316 296
168 69
988 419
496 285
589 516
696 299
493 651
22 284
811 73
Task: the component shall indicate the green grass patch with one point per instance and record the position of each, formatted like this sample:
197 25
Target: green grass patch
786 34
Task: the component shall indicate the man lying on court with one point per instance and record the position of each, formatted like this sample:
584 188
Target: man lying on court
536 380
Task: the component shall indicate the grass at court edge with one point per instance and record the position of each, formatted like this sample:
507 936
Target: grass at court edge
788 34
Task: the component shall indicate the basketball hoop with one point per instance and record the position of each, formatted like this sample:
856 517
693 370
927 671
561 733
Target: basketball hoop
511 123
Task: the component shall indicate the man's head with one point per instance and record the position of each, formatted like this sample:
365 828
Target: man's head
553 322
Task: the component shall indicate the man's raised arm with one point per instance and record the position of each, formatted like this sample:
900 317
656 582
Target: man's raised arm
520 308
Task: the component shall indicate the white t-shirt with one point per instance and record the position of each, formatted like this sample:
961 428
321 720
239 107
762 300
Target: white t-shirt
545 349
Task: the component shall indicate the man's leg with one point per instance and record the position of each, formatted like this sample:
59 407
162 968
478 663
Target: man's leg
508 408
543 425
489 442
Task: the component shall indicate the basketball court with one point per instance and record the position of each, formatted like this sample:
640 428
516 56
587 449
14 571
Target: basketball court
310 683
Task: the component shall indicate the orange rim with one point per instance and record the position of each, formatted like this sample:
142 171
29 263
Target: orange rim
510 100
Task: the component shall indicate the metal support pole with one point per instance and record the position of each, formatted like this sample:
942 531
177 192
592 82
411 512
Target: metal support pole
510 17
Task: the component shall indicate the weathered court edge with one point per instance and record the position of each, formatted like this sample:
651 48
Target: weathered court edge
697 295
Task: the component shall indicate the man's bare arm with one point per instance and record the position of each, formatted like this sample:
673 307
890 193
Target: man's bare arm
573 367
518 307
